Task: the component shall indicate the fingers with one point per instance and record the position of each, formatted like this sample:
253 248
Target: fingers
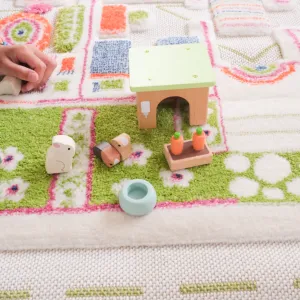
50 66
12 69
30 58
39 70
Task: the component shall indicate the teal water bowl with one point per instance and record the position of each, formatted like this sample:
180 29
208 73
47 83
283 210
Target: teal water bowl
137 197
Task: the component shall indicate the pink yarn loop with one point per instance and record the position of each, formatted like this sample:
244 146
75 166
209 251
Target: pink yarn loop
40 8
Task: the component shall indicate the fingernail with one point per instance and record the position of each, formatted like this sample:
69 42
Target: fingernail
28 88
33 77
25 89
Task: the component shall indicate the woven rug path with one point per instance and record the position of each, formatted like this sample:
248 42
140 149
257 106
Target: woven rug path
251 191
268 271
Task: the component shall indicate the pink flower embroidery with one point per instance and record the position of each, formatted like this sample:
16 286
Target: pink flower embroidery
13 190
10 158
40 8
139 156
180 178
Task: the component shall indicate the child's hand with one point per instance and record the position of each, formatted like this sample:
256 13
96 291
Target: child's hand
42 66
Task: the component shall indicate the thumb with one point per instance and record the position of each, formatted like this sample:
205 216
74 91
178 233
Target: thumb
23 73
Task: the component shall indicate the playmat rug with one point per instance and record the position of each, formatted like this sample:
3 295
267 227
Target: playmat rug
250 192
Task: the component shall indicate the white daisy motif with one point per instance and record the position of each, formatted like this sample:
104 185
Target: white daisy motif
210 132
13 190
180 178
116 187
293 186
138 156
273 193
272 168
244 187
10 158
237 163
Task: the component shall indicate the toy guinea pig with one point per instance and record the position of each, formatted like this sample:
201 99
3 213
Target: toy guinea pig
117 150
123 145
107 153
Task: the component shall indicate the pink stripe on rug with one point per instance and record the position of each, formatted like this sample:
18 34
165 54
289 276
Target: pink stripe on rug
86 47
116 207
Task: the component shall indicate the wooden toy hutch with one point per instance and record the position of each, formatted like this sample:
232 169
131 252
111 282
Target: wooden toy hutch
160 72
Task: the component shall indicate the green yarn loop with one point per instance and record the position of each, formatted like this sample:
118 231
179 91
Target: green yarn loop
66 37
136 16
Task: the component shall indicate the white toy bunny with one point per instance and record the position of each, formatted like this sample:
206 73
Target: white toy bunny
10 86
60 155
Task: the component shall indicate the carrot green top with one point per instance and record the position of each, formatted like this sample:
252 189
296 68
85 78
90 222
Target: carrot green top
199 130
170 67
176 135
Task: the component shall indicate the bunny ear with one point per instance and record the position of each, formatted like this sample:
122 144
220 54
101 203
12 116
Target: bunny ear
56 145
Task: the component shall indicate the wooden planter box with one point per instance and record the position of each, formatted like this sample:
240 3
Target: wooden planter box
188 158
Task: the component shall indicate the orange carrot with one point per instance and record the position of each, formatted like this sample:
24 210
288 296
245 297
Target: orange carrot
177 143
199 139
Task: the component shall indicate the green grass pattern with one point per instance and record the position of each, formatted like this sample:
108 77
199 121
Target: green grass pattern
68 28
31 131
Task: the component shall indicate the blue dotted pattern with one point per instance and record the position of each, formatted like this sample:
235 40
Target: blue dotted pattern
96 87
176 40
110 57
